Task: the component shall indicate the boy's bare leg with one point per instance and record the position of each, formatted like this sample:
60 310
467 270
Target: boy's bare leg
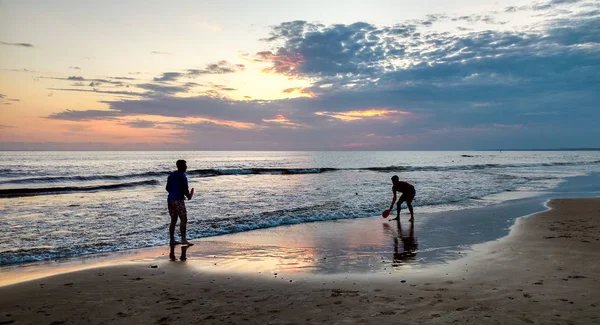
172 240
172 252
183 228
410 208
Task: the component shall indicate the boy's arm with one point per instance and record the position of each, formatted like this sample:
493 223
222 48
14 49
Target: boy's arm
186 190
393 201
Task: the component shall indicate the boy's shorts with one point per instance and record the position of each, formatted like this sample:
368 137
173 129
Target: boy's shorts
408 197
177 208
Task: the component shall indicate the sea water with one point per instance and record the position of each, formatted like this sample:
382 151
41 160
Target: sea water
63 204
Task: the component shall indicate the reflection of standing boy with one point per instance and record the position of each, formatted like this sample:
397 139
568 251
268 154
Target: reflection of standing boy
408 195
183 256
177 186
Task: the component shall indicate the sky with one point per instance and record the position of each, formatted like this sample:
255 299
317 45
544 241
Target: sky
301 75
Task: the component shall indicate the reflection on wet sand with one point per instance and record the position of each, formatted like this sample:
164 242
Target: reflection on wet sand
338 247
183 256
237 256
342 247
407 253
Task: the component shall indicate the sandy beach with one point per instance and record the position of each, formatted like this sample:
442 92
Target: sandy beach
545 272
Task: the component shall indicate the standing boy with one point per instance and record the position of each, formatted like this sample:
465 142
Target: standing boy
177 186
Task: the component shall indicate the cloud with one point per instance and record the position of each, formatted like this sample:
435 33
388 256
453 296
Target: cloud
200 107
482 18
362 114
164 89
160 53
166 144
122 78
168 76
405 86
299 91
94 81
167 84
4 99
555 2
140 124
221 67
97 91
17 44
431 19
21 70
318 51
6 126
221 87
72 115
74 68
280 119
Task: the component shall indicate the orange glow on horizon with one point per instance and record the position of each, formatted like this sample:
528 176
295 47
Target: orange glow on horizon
360 114
299 91
356 145
168 122
282 120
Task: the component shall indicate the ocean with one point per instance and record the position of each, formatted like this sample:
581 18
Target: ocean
56 205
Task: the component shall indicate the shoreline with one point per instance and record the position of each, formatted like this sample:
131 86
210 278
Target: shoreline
359 245
544 271
513 203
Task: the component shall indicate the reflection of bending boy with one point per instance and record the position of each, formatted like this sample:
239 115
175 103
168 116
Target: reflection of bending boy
409 244
408 195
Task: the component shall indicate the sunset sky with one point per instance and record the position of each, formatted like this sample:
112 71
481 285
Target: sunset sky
301 75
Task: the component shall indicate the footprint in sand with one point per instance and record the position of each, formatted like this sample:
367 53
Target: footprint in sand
526 320
387 312
385 299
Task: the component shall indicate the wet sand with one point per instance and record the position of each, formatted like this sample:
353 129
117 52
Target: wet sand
365 245
546 271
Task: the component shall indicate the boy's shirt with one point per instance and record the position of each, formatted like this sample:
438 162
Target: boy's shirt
177 186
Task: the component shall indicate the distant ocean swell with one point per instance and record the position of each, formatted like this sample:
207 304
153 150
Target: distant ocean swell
36 254
69 189
78 178
150 178
281 171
